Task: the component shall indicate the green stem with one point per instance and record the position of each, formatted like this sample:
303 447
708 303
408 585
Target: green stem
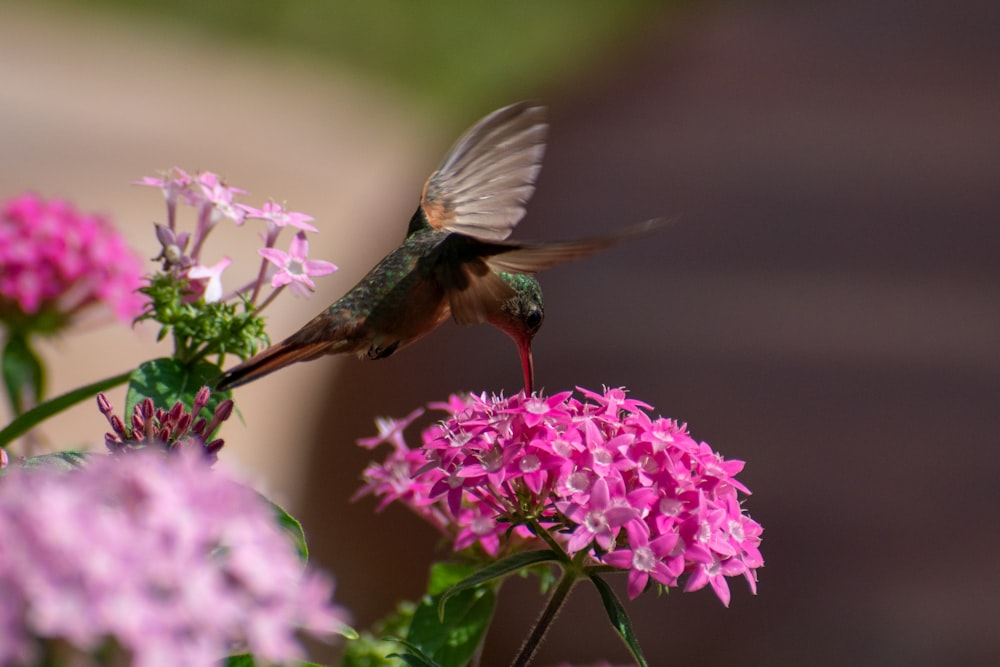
544 535
552 607
43 411
23 372
267 301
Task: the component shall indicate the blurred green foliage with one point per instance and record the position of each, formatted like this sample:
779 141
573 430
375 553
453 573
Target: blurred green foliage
458 54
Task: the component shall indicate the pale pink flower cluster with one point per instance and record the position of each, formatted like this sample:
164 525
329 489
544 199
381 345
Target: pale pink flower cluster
57 260
173 561
214 201
599 475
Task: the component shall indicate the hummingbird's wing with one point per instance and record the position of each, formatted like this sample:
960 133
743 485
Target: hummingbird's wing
473 286
482 185
475 292
535 257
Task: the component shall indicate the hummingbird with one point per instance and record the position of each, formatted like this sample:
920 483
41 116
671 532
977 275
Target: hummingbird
455 260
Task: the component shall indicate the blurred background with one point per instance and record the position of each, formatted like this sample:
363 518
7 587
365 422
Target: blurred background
826 309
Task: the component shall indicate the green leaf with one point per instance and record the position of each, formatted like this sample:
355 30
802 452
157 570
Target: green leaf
23 373
167 381
372 648
446 574
60 461
413 660
415 657
53 406
498 569
619 619
246 660
451 639
292 528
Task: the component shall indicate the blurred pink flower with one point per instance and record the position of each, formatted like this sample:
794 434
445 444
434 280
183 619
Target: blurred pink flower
599 475
175 562
56 261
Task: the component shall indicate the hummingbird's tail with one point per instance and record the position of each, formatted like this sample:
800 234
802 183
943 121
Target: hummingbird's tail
277 356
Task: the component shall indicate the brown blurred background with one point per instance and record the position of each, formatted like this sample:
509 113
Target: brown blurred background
826 309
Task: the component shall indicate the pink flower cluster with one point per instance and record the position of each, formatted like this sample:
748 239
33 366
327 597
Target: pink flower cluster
215 201
54 259
599 476
176 563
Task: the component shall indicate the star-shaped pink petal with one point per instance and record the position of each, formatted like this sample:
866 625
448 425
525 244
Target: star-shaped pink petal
293 266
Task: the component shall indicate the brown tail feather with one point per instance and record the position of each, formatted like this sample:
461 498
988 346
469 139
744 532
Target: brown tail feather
275 357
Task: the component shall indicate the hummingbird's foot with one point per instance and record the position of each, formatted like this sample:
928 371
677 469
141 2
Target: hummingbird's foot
377 352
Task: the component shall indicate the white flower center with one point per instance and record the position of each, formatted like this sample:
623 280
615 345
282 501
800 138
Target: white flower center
562 448
482 525
736 530
596 522
492 460
577 482
536 406
670 506
530 463
643 559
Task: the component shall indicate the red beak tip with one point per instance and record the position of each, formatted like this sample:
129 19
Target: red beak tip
527 363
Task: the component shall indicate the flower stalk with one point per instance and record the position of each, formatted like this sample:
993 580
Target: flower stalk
552 608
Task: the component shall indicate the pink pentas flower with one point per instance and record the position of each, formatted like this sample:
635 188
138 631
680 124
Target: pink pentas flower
212 277
276 213
390 431
599 518
181 252
660 558
220 197
175 185
294 267
176 563
56 261
600 475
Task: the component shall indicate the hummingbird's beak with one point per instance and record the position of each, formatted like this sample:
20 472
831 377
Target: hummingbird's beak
527 363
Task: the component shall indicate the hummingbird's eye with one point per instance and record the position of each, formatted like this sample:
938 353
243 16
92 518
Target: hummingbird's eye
534 319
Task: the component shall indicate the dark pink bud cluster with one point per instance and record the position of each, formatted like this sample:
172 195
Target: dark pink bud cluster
173 429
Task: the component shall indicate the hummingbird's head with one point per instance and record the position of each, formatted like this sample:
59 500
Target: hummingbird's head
521 317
